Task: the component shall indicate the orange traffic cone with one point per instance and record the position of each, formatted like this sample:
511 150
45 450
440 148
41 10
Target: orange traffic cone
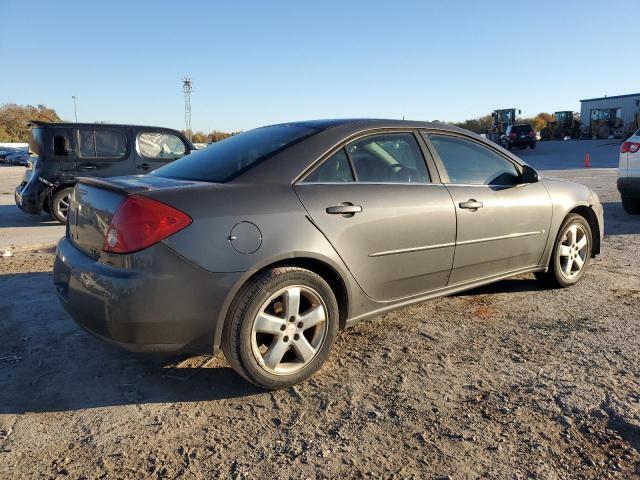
587 160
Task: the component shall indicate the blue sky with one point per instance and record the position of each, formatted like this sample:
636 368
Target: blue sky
260 62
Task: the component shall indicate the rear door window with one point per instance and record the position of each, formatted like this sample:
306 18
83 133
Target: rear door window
62 144
106 144
335 169
160 145
388 158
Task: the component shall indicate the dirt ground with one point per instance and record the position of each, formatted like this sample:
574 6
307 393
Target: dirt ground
508 381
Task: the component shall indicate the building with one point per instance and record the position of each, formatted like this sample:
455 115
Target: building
618 109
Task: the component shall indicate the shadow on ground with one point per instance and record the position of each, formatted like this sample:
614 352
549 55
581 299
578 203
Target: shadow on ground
49 364
619 222
12 216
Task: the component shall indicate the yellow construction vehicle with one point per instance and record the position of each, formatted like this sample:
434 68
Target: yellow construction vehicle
564 124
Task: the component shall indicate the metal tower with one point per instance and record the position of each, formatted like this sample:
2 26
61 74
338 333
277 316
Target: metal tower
187 85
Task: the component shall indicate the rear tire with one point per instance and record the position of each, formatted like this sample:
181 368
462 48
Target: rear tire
571 253
281 327
60 204
631 205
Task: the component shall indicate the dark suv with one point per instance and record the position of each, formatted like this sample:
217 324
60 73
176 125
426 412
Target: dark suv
59 153
521 135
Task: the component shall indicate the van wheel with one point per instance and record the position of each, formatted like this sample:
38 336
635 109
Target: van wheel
60 204
631 205
281 327
571 253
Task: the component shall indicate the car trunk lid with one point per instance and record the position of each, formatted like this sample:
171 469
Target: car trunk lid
95 201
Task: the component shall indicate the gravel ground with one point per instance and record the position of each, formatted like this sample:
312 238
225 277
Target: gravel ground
508 381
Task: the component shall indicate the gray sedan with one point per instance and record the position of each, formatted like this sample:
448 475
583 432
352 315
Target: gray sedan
269 242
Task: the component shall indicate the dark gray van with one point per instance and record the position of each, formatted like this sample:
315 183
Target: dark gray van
59 153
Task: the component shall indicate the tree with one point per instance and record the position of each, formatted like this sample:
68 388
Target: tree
477 125
14 120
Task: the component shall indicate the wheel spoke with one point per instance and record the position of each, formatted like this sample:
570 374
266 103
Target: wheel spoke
565 250
582 243
572 234
303 349
276 351
292 302
579 262
568 267
266 323
312 317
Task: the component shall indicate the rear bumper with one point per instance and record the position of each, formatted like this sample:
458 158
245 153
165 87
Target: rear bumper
629 186
521 142
30 196
160 303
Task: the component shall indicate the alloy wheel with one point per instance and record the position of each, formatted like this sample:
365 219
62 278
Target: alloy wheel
573 251
289 330
63 205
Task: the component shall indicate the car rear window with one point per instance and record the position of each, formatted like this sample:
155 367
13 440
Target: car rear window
225 160
36 136
521 128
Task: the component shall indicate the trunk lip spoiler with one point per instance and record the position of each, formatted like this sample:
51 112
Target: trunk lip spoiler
113 184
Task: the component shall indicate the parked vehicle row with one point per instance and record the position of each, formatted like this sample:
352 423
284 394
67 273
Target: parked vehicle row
267 243
59 153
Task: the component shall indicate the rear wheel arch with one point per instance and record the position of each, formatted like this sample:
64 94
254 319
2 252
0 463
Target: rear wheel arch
55 189
322 268
590 216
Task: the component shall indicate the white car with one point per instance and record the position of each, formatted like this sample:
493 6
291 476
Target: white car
629 174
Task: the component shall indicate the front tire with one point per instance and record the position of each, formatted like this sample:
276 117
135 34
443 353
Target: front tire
281 327
60 204
571 253
631 205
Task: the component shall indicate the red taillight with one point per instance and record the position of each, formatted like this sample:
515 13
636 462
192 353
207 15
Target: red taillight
140 222
512 135
532 133
630 147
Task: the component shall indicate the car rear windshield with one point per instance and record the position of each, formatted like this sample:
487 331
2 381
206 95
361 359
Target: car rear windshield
521 128
36 136
225 160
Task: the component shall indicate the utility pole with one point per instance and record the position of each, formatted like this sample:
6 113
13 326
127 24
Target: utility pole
187 87
75 109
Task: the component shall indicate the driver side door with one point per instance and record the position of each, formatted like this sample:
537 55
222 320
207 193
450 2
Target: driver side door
502 222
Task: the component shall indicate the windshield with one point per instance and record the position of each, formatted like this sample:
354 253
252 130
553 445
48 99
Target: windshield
225 160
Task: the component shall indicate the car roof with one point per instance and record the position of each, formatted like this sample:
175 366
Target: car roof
365 123
40 123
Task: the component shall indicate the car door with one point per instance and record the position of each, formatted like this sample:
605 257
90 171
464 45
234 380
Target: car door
155 148
393 226
63 153
503 223
103 152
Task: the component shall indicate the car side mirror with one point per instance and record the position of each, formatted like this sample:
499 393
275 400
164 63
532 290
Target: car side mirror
529 175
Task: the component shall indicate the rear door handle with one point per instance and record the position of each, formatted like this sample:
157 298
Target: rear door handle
344 209
144 166
87 167
471 204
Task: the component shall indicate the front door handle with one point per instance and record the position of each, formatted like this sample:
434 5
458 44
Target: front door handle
471 204
345 209
144 166
87 167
